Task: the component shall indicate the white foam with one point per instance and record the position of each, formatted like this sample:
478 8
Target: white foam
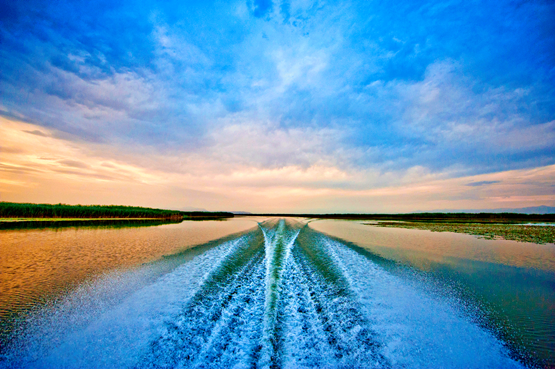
113 322
116 336
418 329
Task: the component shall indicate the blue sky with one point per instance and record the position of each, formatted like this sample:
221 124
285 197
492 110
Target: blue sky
386 93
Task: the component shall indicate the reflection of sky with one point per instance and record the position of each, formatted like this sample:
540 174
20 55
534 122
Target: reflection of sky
425 248
301 105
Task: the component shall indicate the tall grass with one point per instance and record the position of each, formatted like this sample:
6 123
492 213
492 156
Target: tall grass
25 210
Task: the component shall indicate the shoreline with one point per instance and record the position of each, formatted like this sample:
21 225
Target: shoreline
15 220
538 234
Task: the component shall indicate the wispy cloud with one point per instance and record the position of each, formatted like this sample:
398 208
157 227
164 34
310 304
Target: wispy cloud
281 94
36 132
92 173
74 163
481 183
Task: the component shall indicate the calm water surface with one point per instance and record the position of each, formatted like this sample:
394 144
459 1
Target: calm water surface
263 292
39 265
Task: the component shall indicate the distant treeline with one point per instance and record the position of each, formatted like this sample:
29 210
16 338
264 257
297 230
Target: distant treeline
434 217
96 223
22 210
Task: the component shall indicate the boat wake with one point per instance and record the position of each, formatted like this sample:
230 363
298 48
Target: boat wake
282 295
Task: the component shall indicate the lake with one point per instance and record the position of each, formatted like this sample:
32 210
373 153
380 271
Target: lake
273 292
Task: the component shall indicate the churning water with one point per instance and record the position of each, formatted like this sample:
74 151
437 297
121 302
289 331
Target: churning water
279 295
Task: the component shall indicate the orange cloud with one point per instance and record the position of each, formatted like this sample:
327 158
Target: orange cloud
38 166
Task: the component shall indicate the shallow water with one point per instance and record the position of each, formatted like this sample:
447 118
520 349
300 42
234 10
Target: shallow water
278 295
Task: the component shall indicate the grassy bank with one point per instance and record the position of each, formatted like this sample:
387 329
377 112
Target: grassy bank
11 210
522 233
19 220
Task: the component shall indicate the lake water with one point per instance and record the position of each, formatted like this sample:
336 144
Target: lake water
43 264
250 292
511 283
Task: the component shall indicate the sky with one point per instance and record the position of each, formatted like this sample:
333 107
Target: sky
268 106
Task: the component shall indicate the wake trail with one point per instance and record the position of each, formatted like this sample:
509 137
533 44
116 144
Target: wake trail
278 243
281 296
118 336
201 328
416 327
326 311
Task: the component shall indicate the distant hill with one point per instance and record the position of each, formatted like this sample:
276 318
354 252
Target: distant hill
240 212
529 210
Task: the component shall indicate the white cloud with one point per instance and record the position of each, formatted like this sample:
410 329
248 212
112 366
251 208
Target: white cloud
72 172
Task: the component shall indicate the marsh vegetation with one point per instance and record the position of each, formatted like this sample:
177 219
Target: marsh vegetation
540 234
